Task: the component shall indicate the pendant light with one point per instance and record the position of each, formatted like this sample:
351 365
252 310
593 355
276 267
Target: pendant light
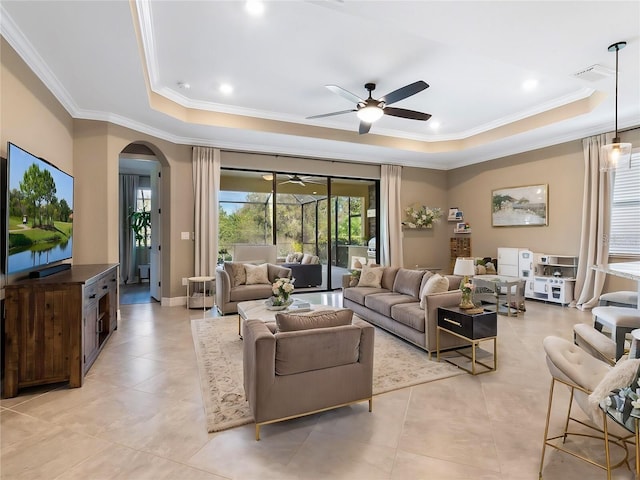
615 154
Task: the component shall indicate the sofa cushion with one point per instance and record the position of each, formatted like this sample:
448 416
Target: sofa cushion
294 257
289 322
358 294
303 351
242 293
388 277
256 274
371 277
436 284
409 314
382 302
276 271
408 282
308 259
454 281
236 272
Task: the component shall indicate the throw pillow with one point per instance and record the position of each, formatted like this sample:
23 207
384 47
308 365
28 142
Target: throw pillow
357 264
306 259
371 277
236 273
621 375
257 274
436 284
291 258
408 281
287 322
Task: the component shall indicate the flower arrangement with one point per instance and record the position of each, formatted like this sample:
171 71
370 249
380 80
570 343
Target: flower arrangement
466 287
422 217
282 288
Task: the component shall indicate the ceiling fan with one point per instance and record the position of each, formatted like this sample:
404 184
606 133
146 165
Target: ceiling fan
370 110
300 180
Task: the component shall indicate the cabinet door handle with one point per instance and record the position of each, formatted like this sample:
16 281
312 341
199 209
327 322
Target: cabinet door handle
92 296
104 287
457 324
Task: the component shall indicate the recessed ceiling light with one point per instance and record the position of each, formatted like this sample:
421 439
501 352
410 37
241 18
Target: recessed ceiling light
434 124
184 85
530 84
254 7
226 88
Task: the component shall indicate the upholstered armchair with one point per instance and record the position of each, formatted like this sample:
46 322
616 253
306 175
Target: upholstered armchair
233 287
292 369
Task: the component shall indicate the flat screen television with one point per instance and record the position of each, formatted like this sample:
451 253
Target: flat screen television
39 212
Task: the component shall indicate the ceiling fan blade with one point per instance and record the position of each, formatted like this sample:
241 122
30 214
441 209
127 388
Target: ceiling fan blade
404 92
345 93
364 128
403 113
331 114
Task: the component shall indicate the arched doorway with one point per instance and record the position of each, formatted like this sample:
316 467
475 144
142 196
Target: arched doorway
140 225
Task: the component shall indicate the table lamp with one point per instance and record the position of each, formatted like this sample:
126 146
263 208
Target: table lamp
465 267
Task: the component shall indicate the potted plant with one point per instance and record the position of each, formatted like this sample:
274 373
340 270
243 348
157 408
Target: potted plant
140 223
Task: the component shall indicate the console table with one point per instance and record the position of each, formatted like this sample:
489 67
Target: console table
56 326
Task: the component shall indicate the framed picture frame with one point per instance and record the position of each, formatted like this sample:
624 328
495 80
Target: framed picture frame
524 206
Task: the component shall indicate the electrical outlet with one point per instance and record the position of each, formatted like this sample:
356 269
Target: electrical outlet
184 281
184 235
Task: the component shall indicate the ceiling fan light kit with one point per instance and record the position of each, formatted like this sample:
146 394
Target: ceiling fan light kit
371 110
616 154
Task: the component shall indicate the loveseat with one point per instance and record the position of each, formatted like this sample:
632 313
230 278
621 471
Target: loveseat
239 282
305 268
396 304
301 364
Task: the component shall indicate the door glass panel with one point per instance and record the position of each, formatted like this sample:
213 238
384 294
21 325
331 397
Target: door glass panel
245 210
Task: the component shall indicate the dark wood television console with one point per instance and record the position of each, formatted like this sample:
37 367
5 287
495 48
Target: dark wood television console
56 326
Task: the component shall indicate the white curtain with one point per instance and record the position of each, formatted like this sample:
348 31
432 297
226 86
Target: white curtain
206 185
128 190
596 212
390 216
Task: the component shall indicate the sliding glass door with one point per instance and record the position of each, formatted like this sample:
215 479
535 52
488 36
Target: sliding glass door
331 220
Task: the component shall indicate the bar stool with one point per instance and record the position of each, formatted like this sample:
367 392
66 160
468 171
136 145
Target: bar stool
623 298
595 343
620 320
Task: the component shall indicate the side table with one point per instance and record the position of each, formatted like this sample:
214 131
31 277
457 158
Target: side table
200 298
474 328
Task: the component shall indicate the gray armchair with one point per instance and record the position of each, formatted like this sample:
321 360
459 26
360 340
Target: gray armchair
230 289
295 373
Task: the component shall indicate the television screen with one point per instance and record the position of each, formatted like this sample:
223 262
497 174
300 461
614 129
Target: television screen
40 212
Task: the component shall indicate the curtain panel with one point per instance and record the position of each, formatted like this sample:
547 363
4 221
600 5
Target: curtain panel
596 212
128 190
206 185
390 216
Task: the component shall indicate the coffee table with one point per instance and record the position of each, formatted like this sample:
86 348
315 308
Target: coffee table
257 310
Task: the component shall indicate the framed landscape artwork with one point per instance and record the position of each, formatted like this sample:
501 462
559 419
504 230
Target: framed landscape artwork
520 206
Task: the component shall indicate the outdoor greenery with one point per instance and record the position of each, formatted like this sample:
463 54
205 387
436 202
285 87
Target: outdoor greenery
251 222
36 203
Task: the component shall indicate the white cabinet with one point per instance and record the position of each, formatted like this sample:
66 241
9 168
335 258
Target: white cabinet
515 262
554 278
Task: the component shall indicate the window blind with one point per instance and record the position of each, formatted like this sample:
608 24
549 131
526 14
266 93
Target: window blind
625 210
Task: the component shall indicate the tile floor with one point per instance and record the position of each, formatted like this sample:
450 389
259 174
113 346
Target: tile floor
140 416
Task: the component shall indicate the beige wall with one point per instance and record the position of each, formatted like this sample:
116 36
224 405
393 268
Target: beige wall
429 247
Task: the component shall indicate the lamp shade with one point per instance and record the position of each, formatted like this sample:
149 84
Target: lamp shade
464 267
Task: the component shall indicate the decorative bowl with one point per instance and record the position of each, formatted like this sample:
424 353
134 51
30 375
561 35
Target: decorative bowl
270 306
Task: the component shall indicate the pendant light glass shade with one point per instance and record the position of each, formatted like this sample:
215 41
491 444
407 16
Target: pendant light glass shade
616 154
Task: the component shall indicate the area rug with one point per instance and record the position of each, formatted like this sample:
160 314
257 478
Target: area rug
218 347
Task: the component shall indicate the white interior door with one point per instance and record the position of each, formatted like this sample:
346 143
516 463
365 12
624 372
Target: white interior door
155 257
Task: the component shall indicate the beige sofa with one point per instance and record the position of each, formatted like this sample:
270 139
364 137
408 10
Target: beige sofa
232 287
395 306
308 368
